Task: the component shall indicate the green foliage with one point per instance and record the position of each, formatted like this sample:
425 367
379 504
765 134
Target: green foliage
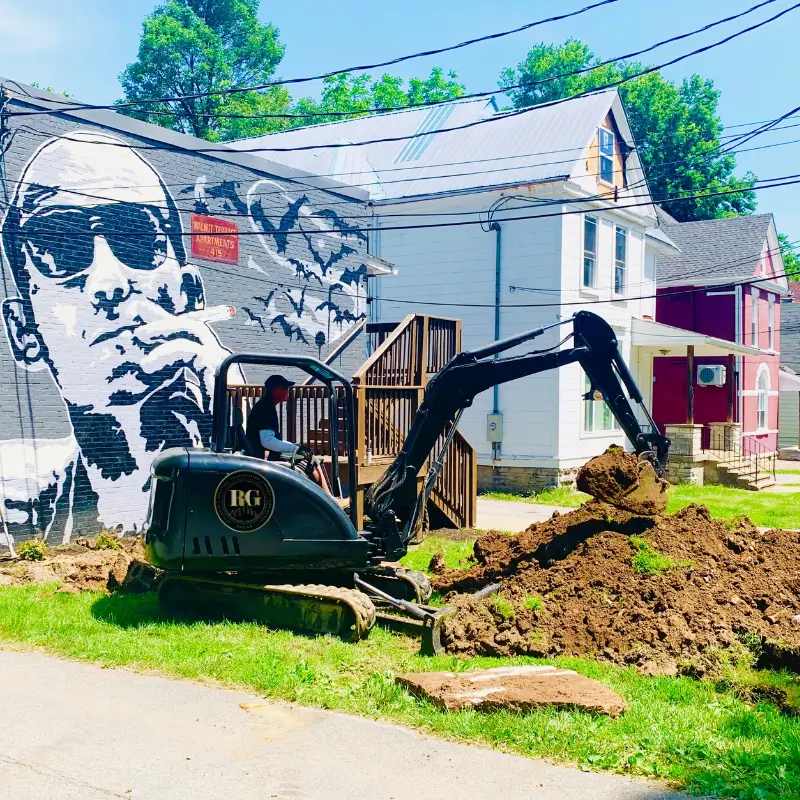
31 550
196 46
107 541
502 606
37 85
697 735
419 556
359 94
533 602
791 264
676 127
649 561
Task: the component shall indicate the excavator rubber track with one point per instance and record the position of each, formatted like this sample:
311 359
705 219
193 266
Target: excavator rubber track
311 608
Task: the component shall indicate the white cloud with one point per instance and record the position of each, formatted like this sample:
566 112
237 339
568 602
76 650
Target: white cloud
27 30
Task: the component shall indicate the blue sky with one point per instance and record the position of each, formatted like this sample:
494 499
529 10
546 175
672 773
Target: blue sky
80 46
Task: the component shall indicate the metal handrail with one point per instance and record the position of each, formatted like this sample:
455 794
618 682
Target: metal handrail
750 457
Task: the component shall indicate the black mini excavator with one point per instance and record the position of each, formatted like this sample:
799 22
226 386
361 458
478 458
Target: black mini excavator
244 538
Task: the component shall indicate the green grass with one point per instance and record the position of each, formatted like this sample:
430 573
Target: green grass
562 496
647 560
533 602
767 509
454 551
787 472
696 734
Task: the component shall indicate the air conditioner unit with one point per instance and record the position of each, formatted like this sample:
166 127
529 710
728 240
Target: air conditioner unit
711 375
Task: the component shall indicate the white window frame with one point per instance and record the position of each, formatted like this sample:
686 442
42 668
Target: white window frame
755 296
762 393
597 417
771 322
601 157
621 265
590 254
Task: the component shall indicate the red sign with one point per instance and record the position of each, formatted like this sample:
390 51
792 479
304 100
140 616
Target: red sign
215 239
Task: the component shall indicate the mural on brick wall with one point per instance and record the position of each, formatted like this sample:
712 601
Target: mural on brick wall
103 296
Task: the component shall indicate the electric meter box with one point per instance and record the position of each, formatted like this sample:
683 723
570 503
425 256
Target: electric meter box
711 375
494 428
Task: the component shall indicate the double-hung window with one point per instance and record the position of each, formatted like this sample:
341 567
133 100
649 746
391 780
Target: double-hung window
620 258
597 415
771 323
606 142
762 391
589 250
754 318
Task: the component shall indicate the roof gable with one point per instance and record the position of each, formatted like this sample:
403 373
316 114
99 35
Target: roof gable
540 144
718 251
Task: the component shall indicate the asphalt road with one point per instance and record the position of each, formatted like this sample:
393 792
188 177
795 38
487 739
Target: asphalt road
75 731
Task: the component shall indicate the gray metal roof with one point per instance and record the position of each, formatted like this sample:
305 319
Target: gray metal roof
790 335
713 251
39 98
538 145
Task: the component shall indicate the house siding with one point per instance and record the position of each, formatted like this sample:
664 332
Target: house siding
88 403
710 312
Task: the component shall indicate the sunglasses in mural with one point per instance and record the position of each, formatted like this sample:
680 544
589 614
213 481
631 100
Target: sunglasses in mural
61 241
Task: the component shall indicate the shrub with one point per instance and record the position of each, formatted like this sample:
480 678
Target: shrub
31 550
503 607
533 602
107 541
648 561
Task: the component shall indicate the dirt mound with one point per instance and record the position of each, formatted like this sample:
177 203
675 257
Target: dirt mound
623 480
80 567
661 592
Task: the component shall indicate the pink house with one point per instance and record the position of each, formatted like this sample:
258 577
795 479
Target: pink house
726 281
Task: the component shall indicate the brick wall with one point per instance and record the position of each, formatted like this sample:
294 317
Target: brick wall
107 352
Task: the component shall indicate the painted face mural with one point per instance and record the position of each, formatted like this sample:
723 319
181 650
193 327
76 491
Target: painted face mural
100 296
315 297
108 303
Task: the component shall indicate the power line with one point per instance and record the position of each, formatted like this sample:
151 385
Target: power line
377 110
495 118
783 180
360 68
465 174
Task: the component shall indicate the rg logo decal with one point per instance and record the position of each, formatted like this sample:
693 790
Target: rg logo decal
244 501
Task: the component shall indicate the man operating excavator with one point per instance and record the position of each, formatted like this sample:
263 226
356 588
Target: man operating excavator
264 431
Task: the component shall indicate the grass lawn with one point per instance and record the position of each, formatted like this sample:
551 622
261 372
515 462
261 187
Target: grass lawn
693 734
767 509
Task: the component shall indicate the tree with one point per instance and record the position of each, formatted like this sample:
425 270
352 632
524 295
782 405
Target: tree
791 261
360 94
191 47
677 128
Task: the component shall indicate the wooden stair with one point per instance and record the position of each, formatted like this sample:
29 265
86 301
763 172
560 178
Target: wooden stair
388 388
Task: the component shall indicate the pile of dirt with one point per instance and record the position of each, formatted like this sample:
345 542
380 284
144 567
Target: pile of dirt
79 566
665 593
624 480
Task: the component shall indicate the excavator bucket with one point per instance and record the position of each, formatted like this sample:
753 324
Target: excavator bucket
624 480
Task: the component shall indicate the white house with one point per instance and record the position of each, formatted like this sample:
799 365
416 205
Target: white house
511 221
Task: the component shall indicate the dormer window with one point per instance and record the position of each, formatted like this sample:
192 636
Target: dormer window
606 156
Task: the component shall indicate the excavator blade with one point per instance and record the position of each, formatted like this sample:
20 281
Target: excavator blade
625 481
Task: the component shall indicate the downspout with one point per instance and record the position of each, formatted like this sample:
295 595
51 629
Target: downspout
739 339
498 262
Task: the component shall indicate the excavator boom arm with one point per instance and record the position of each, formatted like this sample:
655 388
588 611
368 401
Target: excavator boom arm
394 494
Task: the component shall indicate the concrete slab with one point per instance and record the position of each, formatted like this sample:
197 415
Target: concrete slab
74 731
517 689
508 515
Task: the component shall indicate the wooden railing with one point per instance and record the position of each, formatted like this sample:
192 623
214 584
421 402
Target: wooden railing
388 388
